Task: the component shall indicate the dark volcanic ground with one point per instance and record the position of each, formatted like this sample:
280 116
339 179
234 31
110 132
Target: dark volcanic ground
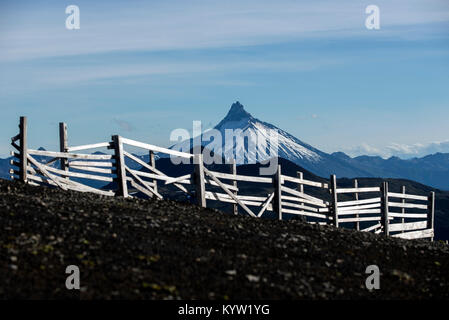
140 249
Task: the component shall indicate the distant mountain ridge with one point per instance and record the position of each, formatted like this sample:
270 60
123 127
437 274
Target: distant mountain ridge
432 170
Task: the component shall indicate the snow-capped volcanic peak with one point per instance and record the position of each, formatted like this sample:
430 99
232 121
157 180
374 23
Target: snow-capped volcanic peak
289 147
246 139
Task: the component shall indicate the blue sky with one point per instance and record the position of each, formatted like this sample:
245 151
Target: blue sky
143 68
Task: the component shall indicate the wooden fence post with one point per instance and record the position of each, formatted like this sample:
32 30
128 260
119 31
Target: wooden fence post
334 198
300 175
23 149
235 208
153 165
200 187
63 145
356 195
403 210
277 200
385 207
120 166
431 212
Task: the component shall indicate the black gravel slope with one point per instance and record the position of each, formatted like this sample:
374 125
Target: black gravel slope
138 249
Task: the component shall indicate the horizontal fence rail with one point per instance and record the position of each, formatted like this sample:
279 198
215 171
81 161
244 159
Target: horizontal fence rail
116 171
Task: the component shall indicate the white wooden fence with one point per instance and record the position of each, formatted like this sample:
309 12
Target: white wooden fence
369 209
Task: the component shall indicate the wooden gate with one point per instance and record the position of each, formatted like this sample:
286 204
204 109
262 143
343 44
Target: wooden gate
115 171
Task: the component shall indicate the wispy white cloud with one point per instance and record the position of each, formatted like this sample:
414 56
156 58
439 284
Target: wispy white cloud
363 149
71 74
180 25
124 125
307 117
404 151
418 149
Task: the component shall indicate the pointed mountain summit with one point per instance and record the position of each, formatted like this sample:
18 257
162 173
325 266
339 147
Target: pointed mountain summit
237 113
252 131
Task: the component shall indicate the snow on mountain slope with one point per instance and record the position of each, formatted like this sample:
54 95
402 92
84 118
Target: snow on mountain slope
289 147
